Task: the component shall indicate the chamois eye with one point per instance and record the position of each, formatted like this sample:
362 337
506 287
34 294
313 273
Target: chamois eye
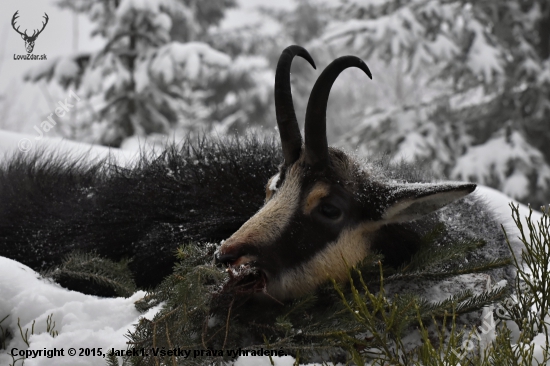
330 211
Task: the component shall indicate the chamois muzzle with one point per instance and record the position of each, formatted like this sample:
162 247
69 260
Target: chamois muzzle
227 258
236 254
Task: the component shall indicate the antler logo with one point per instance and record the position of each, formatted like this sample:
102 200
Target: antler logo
29 40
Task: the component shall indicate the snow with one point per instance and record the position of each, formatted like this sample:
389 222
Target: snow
92 80
62 69
516 185
189 60
247 14
40 70
66 68
83 321
530 67
373 3
11 142
405 31
540 342
494 158
498 203
264 361
475 96
483 58
152 6
163 21
141 76
443 47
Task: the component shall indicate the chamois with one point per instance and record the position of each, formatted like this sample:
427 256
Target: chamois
322 207
324 211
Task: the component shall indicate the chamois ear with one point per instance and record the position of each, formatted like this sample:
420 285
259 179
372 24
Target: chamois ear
409 202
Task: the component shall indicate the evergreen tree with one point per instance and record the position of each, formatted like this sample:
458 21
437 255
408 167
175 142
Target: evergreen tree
302 23
468 77
156 74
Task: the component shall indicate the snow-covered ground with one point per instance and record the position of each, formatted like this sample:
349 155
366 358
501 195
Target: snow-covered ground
12 142
82 321
93 323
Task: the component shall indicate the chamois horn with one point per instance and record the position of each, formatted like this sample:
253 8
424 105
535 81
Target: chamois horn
316 146
291 139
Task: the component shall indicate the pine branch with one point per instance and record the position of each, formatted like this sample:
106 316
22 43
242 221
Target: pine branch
92 268
479 301
446 273
431 256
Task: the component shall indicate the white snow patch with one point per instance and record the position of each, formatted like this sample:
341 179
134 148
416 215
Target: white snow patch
10 143
483 58
188 60
83 321
66 68
484 163
499 204
127 6
264 361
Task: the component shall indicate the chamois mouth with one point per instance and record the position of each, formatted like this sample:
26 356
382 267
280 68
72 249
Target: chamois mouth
245 278
243 261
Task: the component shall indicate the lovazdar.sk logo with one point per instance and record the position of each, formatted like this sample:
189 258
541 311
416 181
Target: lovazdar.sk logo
29 40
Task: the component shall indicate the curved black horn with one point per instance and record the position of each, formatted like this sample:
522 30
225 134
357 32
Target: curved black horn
316 146
291 139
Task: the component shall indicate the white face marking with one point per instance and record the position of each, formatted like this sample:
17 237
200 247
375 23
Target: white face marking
270 221
274 181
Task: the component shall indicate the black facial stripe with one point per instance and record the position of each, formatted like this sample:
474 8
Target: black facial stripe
307 235
300 241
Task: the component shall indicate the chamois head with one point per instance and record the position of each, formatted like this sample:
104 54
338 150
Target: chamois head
323 210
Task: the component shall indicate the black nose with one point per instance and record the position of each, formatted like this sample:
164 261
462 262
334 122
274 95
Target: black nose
225 258
231 253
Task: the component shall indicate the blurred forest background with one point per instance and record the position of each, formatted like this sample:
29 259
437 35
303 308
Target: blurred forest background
462 87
